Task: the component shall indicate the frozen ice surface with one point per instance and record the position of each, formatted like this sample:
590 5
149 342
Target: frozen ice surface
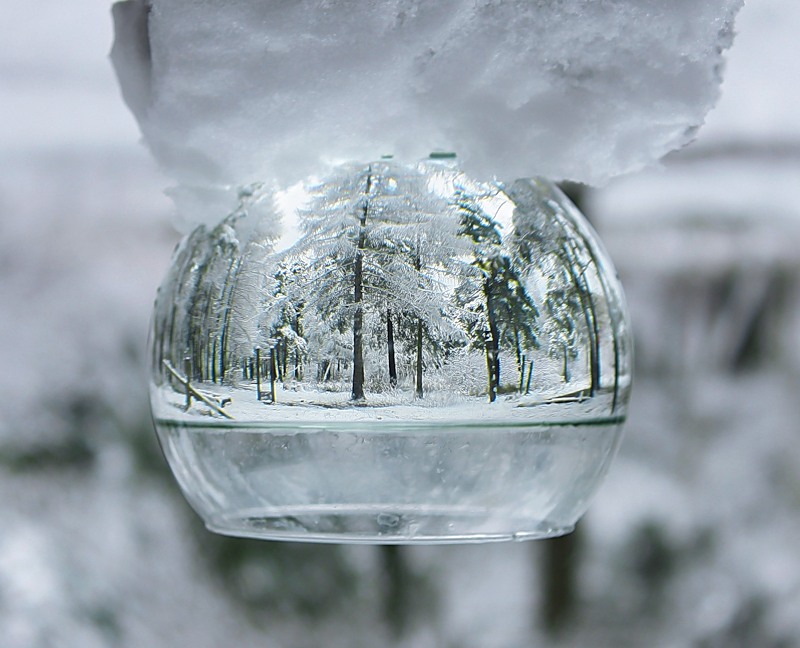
227 93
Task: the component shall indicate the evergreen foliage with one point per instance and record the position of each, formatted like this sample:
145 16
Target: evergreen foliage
495 303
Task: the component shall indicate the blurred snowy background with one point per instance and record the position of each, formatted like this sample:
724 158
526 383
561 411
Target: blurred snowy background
692 540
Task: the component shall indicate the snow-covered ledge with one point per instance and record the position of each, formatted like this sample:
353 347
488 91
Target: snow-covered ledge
227 93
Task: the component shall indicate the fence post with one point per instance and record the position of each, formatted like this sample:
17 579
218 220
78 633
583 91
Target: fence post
187 370
272 371
258 373
530 375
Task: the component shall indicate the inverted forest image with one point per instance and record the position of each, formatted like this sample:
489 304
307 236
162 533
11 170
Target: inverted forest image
393 285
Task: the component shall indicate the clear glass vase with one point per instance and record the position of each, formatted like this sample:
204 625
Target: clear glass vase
411 355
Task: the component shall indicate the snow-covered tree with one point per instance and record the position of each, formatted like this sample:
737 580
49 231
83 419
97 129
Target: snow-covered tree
420 250
335 239
209 307
375 243
563 310
187 313
548 228
496 306
282 318
176 290
206 312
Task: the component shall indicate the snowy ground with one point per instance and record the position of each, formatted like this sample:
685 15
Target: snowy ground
303 404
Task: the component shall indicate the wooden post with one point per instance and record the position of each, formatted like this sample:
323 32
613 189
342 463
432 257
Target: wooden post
273 369
187 371
258 373
530 375
213 361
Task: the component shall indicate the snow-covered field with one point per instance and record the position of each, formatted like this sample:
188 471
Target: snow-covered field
304 405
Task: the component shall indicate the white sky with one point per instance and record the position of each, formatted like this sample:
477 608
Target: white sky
57 88
761 91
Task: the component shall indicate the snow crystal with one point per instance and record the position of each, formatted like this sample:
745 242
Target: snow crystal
227 93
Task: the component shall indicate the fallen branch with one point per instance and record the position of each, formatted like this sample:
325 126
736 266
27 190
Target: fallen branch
185 382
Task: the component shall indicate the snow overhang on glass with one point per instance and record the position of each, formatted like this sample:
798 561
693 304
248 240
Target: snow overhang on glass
411 356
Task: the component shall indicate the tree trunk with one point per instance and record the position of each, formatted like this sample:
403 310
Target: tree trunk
493 341
197 360
278 355
213 361
187 370
273 370
577 195
257 365
530 375
579 199
398 589
358 343
495 332
358 297
230 286
325 371
490 367
559 586
390 343
589 314
419 391
298 371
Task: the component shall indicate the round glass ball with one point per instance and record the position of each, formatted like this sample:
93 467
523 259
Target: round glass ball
409 355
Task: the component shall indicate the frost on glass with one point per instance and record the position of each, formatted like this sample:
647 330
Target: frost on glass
411 355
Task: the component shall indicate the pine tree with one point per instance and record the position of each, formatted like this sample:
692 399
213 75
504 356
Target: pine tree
561 326
174 295
425 248
549 229
334 246
232 284
493 294
283 314
203 297
376 231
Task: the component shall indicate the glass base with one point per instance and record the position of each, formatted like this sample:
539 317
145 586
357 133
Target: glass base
380 482
382 524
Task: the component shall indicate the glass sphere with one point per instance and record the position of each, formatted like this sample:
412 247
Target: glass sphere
409 355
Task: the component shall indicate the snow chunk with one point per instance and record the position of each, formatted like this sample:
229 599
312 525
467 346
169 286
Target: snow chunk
227 93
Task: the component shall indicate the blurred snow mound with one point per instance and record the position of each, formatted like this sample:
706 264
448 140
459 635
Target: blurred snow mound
230 92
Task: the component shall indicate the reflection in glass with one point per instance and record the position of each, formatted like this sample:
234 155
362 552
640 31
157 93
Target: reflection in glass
411 355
